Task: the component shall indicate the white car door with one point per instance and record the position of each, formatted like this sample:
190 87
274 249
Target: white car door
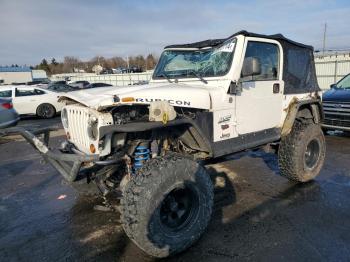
25 100
259 104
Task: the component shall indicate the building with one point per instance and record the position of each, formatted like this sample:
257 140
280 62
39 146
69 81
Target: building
10 75
39 75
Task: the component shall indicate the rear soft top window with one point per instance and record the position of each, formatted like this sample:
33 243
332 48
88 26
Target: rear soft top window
299 72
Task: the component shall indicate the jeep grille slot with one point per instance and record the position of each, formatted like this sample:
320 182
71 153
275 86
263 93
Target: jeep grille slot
78 125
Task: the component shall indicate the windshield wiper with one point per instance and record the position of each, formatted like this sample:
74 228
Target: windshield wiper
192 72
166 76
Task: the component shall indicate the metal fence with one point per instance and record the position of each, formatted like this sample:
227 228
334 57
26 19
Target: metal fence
115 79
331 68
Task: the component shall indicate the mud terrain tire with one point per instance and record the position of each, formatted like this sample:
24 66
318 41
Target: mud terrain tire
301 154
167 206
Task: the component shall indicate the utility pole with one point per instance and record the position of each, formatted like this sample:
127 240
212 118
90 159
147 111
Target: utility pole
324 37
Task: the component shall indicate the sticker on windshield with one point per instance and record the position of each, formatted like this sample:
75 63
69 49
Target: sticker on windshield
227 47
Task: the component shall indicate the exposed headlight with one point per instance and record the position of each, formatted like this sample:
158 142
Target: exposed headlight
64 118
93 127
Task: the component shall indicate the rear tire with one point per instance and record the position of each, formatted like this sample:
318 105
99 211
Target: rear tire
167 206
46 111
301 154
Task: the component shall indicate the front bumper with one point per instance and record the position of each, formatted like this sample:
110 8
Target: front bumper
67 164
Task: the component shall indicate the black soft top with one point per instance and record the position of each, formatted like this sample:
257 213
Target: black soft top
299 74
215 42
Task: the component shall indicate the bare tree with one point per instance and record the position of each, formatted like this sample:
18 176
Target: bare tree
151 62
70 63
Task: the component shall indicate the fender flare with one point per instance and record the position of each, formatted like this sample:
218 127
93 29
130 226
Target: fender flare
314 105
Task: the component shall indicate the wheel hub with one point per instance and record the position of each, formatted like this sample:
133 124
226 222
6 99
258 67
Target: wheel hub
312 154
46 110
177 208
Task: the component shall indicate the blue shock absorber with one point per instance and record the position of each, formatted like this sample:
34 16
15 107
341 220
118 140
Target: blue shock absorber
142 154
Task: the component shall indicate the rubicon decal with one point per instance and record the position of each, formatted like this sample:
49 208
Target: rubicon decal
170 101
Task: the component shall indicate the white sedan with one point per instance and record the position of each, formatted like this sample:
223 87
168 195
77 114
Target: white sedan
32 100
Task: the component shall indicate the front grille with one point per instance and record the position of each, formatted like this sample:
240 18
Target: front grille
78 124
336 113
334 122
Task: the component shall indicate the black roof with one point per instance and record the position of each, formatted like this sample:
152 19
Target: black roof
215 42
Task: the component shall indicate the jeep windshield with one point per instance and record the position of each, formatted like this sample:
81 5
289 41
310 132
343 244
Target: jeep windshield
200 63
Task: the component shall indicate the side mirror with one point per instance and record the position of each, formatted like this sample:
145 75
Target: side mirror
333 86
251 67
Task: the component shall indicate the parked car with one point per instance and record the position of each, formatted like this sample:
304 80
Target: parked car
94 85
336 106
61 87
80 84
8 115
38 82
106 72
135 69
119 70
32 100
59 82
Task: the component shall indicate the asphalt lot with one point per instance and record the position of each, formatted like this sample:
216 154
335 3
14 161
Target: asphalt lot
258 215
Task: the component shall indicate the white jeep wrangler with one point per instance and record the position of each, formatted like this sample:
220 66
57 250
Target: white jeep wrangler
205 100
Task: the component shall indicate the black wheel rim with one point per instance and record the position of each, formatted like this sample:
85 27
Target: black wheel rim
312 154
178 208
45 111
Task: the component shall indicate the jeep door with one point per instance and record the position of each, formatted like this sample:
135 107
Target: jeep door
259 104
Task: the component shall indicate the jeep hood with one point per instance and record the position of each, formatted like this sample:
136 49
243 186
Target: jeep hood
176 94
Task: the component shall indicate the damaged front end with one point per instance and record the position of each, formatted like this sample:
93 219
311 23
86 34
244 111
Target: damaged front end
106 147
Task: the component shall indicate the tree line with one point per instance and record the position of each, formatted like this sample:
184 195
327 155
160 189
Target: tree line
71 64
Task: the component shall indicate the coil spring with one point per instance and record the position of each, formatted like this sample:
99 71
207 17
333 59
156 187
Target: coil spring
142 154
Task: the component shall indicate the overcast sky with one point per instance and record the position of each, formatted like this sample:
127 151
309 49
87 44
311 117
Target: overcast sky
31 30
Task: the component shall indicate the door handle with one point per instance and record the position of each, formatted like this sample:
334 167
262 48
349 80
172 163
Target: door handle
276 88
